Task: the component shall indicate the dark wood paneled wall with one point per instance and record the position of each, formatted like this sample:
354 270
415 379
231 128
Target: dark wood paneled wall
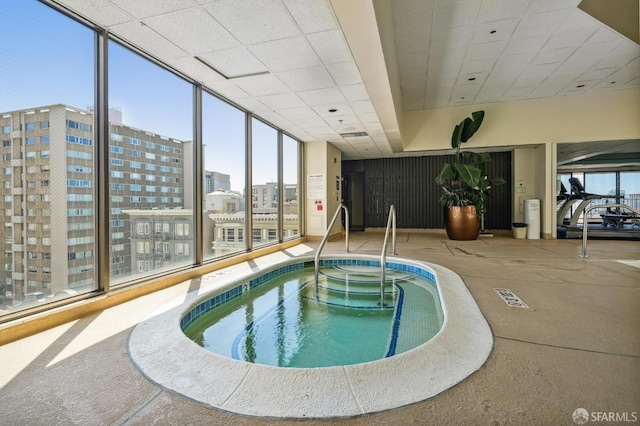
408 183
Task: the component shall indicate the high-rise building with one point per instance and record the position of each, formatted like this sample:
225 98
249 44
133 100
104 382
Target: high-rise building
48 157
216 181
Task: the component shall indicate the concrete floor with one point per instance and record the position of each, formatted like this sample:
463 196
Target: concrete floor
576 346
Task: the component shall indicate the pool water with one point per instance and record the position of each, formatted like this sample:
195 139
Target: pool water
290 322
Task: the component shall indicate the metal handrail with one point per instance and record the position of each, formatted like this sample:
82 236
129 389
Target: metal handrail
585 225
391 223
326 235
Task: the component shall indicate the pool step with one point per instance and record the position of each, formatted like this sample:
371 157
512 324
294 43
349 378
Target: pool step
363 274
337 293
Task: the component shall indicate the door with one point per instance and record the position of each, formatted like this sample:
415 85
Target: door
354 200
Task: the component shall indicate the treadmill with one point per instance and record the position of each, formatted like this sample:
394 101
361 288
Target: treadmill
569 228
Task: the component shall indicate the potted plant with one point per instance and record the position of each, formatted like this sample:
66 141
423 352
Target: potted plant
465 184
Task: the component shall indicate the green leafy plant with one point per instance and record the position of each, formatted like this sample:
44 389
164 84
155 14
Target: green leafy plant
465 182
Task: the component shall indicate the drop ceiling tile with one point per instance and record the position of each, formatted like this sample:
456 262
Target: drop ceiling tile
438 94
281 101
192 30
368 118
103 11
307 79
148 40
450 57
467 92
492 92
227 89
578 87
535 71
502 9
344 112
253 105
585 57
553 84
439 79
541 23
569 38
603 34
345 74
362 107
537 6
261 85
311 123
286 54
413 86
413 44
626 47
141 9
458 14
355 92
478 66
632 69
517 93
322 97
254 21
234 62
493 31
330 47
613 61
510 67
413 60
194 69
475 79
530 83
635 82
447 39
312 16
597 74
553 56
301 113
412 74
525 44
412 15
491 50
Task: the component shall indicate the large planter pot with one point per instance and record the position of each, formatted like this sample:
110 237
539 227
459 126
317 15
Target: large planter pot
462 223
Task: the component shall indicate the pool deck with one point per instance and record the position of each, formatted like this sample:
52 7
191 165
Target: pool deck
577 345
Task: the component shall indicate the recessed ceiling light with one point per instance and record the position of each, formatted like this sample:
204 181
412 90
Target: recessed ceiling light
333 110
492 32
613 82
580 85
462 97
472 78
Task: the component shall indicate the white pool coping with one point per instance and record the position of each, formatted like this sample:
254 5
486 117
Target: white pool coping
167 357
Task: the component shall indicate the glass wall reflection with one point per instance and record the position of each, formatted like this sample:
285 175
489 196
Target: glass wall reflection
48 157
224 158
151 170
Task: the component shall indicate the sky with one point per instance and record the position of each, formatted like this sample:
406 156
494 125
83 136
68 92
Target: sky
50 60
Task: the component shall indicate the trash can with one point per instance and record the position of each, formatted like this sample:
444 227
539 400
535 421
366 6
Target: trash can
519 230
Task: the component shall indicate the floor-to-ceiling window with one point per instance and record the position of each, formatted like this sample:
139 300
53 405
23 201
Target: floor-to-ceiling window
264 185
51 145
290 175
630 189
47 180
151 171
224 158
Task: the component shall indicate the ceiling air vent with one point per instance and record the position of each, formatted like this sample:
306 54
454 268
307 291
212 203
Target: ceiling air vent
353 134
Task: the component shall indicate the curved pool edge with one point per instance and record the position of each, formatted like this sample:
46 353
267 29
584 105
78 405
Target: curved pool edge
160 350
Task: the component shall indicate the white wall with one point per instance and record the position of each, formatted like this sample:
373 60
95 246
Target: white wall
322 161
